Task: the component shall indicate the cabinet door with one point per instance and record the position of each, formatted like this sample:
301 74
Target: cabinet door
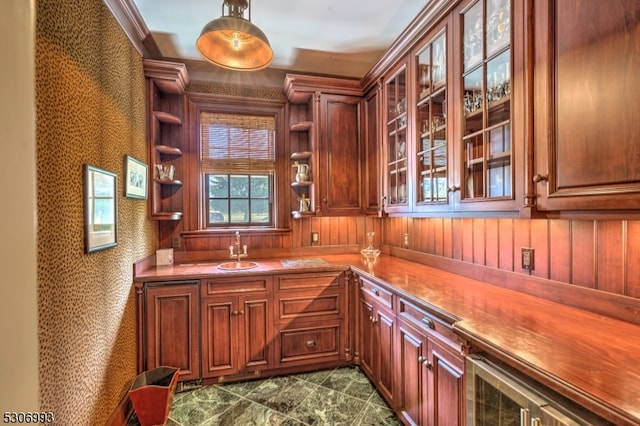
447 402
258 335
397 180
372 146
171 328
430 149
340 156
220 333
412 386
587 101
385 346
490 100
367 360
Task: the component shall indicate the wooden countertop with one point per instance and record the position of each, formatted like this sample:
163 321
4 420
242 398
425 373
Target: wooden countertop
590 358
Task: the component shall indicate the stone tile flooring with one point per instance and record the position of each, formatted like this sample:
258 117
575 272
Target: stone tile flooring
341 396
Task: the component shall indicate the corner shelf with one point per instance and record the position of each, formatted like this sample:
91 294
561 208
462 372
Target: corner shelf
301 147
166 83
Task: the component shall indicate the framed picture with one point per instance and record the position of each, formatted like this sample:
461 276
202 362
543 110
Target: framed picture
100 209
135 176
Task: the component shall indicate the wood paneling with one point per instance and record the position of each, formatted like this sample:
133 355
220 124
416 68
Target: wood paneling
610 272
588 253
632 259
582 253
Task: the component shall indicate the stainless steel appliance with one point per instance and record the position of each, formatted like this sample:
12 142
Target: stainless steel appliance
498 396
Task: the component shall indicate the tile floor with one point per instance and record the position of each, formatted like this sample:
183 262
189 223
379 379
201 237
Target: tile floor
341 396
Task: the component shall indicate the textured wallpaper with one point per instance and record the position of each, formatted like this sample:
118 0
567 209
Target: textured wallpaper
90 109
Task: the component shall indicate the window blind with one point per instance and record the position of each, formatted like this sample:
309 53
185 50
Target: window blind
237 143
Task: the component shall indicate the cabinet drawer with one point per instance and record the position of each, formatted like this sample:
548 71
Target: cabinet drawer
432 324
319 280
309 305
233 285
381 295
310 342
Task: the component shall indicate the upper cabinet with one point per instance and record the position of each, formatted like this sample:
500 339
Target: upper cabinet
486 142
430 97
166 82
455 139
395 141
587 101
326 143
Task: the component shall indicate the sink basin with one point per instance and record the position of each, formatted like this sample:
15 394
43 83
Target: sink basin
237 266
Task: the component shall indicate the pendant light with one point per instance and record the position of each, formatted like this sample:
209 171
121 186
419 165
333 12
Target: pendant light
233 42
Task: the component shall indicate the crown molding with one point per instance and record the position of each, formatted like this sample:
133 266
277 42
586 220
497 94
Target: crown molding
128 17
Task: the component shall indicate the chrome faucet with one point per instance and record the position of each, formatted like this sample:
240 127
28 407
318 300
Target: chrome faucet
237 255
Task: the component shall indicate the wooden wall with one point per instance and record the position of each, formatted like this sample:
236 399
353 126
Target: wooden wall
598 254
332 231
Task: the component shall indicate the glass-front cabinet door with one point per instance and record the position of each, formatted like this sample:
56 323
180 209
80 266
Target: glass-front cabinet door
396 190
486 146
431 122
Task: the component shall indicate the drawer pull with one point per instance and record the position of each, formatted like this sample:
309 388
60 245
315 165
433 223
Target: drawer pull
429 323
311 343
375 291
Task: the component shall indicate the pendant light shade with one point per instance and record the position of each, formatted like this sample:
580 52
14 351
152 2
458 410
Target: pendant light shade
233 42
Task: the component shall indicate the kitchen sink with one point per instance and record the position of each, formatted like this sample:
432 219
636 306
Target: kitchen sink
237 266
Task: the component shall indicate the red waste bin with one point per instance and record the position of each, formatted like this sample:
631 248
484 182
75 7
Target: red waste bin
151 394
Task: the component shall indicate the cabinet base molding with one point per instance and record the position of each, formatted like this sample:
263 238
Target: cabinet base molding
249 375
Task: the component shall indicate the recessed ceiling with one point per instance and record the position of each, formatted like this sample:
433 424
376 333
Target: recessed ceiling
333 37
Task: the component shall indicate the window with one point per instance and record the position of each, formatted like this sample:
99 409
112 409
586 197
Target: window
238 166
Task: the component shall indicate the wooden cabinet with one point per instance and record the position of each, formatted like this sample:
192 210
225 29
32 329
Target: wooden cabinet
165 115
312 320
340 155
237 331
397 178
430 369
432 145
586 105
168 327
412 356
455 138
377 337
372 157
324 125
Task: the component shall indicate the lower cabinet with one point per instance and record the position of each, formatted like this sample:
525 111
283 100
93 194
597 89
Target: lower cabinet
377 337
240 327
431 386
312 319
229 328
169 334
413 357
237 331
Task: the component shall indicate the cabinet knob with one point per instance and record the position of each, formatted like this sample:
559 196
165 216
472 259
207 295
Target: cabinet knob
421 358
539 178
234 313
427 364
375 291
453 188
429 323
241 312
311 343
374 320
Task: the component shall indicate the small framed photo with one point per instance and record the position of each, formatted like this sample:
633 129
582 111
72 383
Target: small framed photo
100 209
135 175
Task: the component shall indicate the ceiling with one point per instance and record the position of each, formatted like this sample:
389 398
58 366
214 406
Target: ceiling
332 37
